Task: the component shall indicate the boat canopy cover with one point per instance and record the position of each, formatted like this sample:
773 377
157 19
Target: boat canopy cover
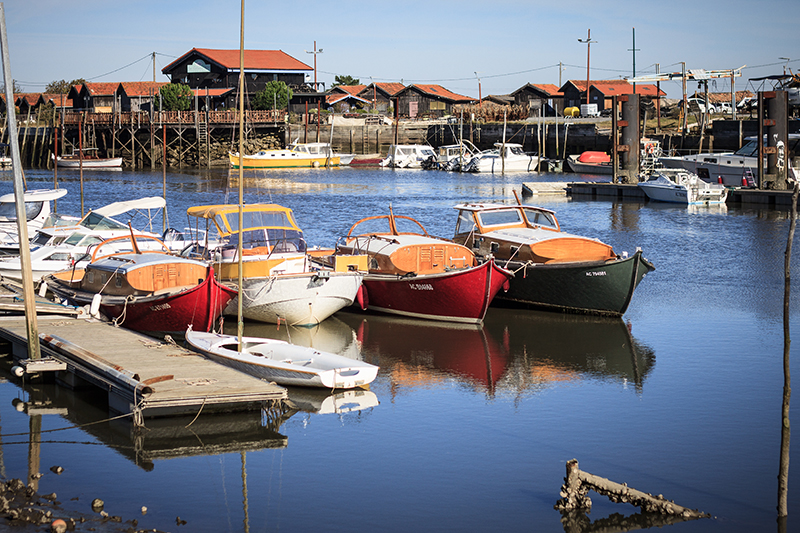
151 202
254 216
36 195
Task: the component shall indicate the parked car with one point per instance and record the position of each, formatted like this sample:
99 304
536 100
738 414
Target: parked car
724 107
696 104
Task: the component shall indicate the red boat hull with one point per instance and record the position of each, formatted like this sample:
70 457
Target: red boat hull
455 296
199 307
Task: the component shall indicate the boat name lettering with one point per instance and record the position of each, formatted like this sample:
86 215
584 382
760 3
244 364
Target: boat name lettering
160 307
421 286
596 273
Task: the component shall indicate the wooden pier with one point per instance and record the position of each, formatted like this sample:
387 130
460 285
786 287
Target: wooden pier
143 376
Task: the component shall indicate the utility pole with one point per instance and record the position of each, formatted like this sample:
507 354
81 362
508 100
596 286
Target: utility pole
634 50
154 67
315 52
588 41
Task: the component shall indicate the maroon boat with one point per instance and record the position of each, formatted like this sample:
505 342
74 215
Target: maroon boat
414 274
151 292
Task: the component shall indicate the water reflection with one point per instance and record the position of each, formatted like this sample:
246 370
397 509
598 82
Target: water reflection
579 522
514 351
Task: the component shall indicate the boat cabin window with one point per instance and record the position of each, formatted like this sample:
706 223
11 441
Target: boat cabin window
465 223
40 239
501 217
95 221
8 211
256 219
540 218
516 150
280 239
748 150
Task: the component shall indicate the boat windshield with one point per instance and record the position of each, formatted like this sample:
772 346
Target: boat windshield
55 220
8 211
281 240
516 150
748 150
537 217
501 217
79 239
381 226
256 219
98 222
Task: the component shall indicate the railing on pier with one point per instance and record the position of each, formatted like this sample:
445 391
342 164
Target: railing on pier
140 118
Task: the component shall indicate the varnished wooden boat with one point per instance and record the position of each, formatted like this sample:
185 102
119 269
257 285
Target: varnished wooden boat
152 292
414 274
553 270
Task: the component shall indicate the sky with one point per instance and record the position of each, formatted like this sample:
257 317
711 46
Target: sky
466 46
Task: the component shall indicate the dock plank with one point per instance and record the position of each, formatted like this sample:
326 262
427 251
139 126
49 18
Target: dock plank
175 380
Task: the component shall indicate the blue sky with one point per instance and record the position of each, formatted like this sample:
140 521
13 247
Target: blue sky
507 42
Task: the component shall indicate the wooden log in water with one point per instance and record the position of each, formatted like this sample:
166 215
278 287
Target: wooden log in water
578 483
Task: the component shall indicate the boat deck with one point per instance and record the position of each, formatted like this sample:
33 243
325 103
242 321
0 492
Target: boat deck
143 375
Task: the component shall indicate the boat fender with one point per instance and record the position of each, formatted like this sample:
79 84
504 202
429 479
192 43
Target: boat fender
43 288
94 309
362 297
624 255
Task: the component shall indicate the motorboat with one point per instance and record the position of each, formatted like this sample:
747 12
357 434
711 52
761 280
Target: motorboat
38 206
294 156
153 292
454 156
320 149
283 363
408 156
280 282
416 275
590 162
682 187
505 157
87 158
65 241
732 169
553 270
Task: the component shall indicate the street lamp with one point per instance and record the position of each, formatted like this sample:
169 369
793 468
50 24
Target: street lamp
588 41
315 52
480 99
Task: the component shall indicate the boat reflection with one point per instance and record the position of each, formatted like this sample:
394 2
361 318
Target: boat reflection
545 347
515 350
322 402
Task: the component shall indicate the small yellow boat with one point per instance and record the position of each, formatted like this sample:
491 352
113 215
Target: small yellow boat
284 158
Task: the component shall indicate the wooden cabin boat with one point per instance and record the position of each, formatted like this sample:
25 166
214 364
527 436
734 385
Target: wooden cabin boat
87 158
553 269
152 292
414 274
284 158
283 363
280 283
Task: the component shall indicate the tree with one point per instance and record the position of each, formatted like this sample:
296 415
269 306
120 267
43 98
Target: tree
345 80
62 86
274 95
175 97
14 85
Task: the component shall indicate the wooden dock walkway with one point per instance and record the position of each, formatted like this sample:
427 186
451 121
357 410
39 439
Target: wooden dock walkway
142 375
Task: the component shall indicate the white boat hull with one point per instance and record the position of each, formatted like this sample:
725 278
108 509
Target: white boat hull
694 192
297 299
110 162
283 363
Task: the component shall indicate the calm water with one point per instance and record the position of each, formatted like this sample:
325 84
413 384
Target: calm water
466 428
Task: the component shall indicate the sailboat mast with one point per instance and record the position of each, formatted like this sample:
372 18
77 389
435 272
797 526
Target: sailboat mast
34 350
240 322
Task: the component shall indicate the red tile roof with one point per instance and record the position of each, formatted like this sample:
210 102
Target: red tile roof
335 98
438 90
390 88
350 89
612 87
549 88
30 98
100 89
213 92
253 59
142 88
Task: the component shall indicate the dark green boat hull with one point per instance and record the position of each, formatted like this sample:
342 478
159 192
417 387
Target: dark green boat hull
596 287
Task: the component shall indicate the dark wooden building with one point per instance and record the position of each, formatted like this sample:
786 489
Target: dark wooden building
543 99
202 68
94 97
381 95
601 92
416 101
138 95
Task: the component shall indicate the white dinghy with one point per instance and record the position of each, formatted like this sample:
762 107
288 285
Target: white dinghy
283 363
